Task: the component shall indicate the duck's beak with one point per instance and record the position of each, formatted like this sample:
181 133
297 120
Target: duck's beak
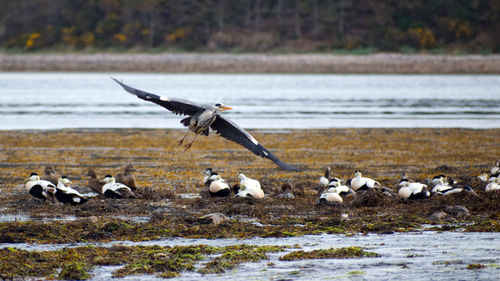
226 108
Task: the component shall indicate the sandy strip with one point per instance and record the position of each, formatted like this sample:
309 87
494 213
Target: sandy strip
253 63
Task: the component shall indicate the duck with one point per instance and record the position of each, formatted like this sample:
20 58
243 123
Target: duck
127 178
248 188
493 184
286 192
325 179
330 196
358 182
66 194
495 171
217 187
443 187
338 186
113 189
50 174
41 189
412 190
438 180
94 183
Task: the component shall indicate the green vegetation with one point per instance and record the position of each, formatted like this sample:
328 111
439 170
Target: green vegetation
341 253
75 263
358 27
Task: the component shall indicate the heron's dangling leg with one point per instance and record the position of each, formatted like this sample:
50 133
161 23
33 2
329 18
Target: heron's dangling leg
188 146
179 142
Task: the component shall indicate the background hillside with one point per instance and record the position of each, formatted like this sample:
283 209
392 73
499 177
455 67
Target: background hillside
461 26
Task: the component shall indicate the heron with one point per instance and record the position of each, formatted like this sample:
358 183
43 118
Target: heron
203 117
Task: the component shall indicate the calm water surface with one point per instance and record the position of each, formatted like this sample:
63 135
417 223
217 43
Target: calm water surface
262 101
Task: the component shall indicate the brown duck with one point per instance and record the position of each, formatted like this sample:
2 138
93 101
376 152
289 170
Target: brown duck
51 175
94 183
127 178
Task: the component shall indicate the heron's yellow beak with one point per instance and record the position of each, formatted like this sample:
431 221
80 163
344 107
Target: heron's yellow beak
227 108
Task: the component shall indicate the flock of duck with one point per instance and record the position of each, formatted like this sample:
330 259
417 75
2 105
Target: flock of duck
333 190
52 186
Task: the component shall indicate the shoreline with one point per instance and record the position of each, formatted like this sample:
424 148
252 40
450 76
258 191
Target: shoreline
380 63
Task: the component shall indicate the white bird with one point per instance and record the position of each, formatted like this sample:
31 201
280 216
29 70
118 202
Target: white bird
444 188
412 190
438 180
66 194
248 187
41 189
358 182
217 186
493 185
113 189
330 196
483 176
495 171
339 187
325 179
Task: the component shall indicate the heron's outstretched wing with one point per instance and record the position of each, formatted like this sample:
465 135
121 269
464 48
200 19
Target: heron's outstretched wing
176 105
229 130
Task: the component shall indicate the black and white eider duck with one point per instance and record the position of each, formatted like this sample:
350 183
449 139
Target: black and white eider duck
330 196
338 186
217 187
66 194
443 187
493 184
248 188
41 189
412 190
495 171
325 179
358 182
113 189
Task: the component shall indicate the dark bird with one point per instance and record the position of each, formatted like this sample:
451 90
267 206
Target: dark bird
127 178
50 174
203 117
94 183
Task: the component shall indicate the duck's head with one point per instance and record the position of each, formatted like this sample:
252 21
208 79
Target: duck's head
357 173
49 169
108 179
242 177
208 172
32 177
91 173
64 181
129 168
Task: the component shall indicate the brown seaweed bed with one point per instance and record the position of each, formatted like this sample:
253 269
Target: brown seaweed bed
165 173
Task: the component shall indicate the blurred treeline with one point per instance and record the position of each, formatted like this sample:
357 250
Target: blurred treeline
471 26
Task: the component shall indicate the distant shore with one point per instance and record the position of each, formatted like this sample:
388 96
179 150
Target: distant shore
253 63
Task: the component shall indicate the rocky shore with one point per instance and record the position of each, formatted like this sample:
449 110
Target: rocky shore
253 63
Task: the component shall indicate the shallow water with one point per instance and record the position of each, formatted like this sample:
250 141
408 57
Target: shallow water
262 101
417 256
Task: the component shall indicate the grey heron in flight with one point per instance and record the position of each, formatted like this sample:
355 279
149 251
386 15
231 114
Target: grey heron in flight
202 117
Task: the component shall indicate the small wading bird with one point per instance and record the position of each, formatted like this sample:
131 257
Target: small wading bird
202 118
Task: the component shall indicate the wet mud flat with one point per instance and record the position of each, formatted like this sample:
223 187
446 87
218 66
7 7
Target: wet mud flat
169 181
